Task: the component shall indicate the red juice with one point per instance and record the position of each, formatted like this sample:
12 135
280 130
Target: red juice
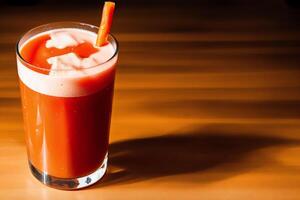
67 89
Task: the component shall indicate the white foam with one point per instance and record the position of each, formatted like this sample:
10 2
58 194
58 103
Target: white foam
69 37
71 65
63 39
68 71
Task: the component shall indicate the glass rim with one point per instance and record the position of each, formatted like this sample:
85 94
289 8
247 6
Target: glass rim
67 23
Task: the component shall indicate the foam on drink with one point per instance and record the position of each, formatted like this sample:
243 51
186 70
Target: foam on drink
69 70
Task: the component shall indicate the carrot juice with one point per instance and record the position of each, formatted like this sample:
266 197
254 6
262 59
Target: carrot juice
67 86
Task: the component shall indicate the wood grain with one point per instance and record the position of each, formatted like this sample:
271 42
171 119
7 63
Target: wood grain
207 103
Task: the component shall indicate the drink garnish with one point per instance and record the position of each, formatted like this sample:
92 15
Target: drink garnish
105 25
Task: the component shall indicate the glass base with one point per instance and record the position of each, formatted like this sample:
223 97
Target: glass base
69 183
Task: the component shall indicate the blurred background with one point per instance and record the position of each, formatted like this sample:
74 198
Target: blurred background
225 73
208 61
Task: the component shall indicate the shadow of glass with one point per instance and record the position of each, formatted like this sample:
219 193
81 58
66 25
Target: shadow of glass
180 153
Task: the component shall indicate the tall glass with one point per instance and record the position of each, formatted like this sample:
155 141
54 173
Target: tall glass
67 119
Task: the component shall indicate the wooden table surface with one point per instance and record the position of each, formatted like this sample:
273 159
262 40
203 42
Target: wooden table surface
207 102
